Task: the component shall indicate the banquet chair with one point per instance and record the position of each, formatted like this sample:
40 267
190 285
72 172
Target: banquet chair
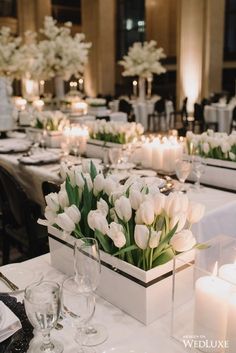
48 187
19 217
182 114
199 121
158 114
233 121
127 108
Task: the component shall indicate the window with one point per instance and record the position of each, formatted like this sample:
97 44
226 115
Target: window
230 30
67 10
7 8
130 24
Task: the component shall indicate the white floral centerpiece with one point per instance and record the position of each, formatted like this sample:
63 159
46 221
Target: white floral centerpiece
143 60
60 55
139 231
210 144
96 102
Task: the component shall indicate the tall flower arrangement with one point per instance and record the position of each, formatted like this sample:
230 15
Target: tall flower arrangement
59 53
134 221
143 60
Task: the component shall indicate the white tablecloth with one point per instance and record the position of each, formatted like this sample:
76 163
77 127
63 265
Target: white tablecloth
220 114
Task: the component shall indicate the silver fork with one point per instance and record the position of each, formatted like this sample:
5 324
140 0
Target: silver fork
9 283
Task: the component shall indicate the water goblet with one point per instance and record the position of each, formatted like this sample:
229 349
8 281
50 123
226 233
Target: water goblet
78 307
42 305
199 165
182 170
87 266
115 156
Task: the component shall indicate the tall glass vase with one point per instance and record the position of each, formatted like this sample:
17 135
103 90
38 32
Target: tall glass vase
6 106
59 88
142 88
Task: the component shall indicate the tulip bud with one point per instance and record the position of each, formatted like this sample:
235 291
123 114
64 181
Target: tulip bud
141 236
116 233
74 213
102 206
110 186
52 201
179 218
183 241
123 208
63 199
65 222
135 198
98 184
158 203
154 239
195 212
146 210
50 215
79 180
97 221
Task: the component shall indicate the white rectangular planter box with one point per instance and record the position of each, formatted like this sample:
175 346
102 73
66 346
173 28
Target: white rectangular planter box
219 173
53 138
97 148
145 295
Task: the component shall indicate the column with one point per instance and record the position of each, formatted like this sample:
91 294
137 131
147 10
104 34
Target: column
98 24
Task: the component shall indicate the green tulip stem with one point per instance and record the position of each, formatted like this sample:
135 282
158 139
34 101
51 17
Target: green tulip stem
129 254
150 259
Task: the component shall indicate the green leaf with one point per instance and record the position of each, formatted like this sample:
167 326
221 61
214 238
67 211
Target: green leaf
103 240
125 250
70 191
164 257
201 246
164 242
93 171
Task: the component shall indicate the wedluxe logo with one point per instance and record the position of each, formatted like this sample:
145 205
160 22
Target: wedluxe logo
202 343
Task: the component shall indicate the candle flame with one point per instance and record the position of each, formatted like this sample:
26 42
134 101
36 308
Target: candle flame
215 269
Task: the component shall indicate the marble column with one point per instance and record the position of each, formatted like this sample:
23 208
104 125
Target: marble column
98 24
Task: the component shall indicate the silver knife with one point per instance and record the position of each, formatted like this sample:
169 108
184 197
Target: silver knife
10 284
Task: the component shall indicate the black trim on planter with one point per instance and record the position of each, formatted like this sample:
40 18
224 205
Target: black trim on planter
220 166
124 274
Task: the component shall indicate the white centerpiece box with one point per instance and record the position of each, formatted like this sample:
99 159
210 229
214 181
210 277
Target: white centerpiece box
53 138
97 148
218 173
145 295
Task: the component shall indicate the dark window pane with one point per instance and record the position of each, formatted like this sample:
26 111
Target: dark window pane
230 30
67 10
7 8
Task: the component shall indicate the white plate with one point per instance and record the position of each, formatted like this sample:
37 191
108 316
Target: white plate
144 172
20 276
126 350
155 180
123 166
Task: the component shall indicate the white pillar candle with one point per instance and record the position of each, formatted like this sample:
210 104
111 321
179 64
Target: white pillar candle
230 334
146 155
157 156
228 273
210 321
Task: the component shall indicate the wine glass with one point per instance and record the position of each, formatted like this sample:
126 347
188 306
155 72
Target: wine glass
182 169
115 156
78 307
87 266
42 305
199 165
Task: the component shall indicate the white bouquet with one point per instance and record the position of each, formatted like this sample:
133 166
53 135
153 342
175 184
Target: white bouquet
133 221
10 57
143 60
49 120
96 102
111 131
210 144
60 54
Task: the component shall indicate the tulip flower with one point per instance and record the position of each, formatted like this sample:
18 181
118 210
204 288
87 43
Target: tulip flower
183 241
146 211
98 184
65 222
74 213
63 198
50 215
102 206
88 181
116 233
195 212
179 218
97 221
141 236
79 180
110 185
135 197
159 203
71 174
52 201
154 239
64 170
123 208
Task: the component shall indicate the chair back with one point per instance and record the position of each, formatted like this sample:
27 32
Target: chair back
198 112
48 187
184 111
160 106
125 107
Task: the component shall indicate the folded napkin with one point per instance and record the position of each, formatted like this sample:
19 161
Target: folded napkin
9 322
43 157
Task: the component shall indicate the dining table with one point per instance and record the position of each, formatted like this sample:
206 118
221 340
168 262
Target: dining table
221 114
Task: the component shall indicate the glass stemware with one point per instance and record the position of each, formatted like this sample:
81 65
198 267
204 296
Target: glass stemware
115 156
199 165
78 307
87 274
182 169
42 305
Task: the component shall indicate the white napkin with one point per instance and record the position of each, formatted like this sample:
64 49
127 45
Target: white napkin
9 322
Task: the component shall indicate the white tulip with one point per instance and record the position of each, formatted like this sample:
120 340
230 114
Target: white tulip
183 241
123 208
88 181
110 186
135 197
65 222
138 218
102 206
64 170
98 184
159 203
146 212
74 213
50 215
179 218
141 236
79 180
195 212
52 201
71 174
225 146
63 199
116 233
232 156
97 221
154 239
176 202
206 147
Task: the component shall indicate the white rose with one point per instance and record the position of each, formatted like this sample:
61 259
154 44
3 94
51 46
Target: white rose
183 241
141 236
52 201
74 213
195 212
116 233
123 208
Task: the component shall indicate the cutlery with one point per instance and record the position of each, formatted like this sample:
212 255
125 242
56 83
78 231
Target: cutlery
10 284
